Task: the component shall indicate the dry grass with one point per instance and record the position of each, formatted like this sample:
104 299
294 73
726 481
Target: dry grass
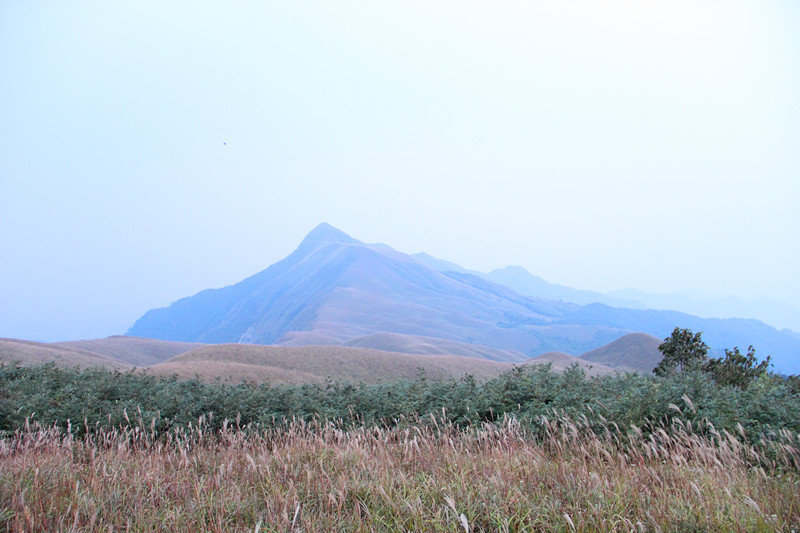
425 476
416 344
36 353
313 364
136 351
635 352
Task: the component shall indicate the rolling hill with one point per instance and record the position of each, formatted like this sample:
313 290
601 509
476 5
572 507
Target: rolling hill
34 353
136 351
636 352
315 364
411 344
292 364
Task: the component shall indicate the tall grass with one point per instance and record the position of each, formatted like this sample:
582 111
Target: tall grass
418 475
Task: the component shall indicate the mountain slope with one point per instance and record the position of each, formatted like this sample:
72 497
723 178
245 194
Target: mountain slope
522 281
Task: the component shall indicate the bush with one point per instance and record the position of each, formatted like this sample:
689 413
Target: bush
93 398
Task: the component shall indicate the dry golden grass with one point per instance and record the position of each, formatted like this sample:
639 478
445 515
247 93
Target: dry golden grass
425 476
416 344
277 364
314 364
136 351
635 352
36 353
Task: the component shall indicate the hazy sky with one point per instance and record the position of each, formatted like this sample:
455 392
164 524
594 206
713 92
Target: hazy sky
149 150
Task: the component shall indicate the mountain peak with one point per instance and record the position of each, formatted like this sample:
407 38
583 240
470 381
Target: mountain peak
325 234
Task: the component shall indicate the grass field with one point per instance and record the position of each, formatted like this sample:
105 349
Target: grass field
421 475
314 364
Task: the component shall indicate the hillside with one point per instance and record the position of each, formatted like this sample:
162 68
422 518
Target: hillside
134 350
414 344
370 359
34 353
637 352
314 364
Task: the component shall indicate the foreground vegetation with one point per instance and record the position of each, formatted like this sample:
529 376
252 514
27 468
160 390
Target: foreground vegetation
95 398
420 475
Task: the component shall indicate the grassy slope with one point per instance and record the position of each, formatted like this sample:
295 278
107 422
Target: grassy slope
375 358
137 351
313 364
637 352
415 344
34 353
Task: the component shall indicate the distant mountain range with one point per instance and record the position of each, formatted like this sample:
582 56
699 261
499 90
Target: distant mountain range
780 315
335 290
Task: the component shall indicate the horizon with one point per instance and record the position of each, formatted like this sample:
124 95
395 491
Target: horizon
153 151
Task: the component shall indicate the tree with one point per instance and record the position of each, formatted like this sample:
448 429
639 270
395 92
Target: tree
682 351
737 369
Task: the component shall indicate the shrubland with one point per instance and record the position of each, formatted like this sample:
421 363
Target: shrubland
92 398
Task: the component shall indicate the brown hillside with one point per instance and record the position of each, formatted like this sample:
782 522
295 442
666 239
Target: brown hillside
230 372
561 361
137 351
285 364
414 344
636 352
35 353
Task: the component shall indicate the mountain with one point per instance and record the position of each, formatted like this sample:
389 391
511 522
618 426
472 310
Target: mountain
525 283
334 290
443 266
778 314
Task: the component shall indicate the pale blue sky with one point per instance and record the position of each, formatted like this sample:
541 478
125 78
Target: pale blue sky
149 150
